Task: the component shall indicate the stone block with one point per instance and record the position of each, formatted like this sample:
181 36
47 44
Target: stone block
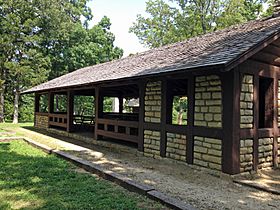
215 152
200 89
217 95
199 102
213 141
213 102
198 96
200 123
198 116
204 109
248 143
212 159
214 88
209 117
215 109
206 95
200 163
215 166
200 79
200 149
212 77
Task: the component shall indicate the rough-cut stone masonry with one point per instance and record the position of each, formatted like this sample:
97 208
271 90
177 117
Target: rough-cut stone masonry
176 146
278 103
41 121
153 102
246 102
152 143
208 152
246 155
265 152
208 101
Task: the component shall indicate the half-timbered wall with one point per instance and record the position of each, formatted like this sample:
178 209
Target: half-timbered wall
259 142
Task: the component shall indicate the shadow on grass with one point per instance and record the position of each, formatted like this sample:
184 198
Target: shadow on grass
30 179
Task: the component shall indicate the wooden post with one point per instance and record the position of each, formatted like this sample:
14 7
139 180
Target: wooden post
36 106
70 108
50 105
163 119
190 121
98 110
256 123
120 104
275 121
141 86
51 102
231 122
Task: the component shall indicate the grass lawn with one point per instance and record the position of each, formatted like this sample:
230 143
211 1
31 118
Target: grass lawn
31 179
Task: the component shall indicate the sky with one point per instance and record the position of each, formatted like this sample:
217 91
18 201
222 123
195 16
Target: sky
122 14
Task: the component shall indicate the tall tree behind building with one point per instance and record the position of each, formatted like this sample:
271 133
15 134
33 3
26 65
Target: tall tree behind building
176 20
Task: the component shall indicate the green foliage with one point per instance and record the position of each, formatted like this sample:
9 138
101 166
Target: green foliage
60 103
31 179
176 20
41 40
179 110
108 104
84 105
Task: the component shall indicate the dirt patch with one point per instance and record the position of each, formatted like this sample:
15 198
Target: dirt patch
192 185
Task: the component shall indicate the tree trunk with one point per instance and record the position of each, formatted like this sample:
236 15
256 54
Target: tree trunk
180 117
2 101
16 103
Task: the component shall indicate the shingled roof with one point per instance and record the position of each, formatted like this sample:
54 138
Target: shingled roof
219 48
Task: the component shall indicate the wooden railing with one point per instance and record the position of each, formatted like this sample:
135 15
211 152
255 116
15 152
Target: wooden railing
118 129
59 120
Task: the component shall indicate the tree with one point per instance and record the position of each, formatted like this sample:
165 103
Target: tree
44 39
168 24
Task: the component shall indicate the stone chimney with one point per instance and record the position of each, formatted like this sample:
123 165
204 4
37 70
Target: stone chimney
276 11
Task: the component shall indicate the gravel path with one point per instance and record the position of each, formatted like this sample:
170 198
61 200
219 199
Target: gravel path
198 187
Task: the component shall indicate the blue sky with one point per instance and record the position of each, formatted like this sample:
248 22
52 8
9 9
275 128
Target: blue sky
122 14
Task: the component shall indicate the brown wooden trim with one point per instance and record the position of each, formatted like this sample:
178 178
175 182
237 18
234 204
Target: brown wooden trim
70 110
231 122
190 120
142 86
267 58
256 122
208 132
246 133
152 126
265 132
275 123
42 113
114 135
254 67
97 103
163 118
178 129
131 124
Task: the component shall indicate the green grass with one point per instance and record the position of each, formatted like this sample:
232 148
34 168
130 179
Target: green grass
13 127
31 179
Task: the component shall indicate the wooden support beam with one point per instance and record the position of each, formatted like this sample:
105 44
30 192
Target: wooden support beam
190 118
70 110
163 118
256 122
120 104
51 102
231 122
97 111
142 86
267 58
275 122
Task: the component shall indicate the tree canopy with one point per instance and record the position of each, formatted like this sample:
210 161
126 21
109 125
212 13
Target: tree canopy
170 21
41 40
